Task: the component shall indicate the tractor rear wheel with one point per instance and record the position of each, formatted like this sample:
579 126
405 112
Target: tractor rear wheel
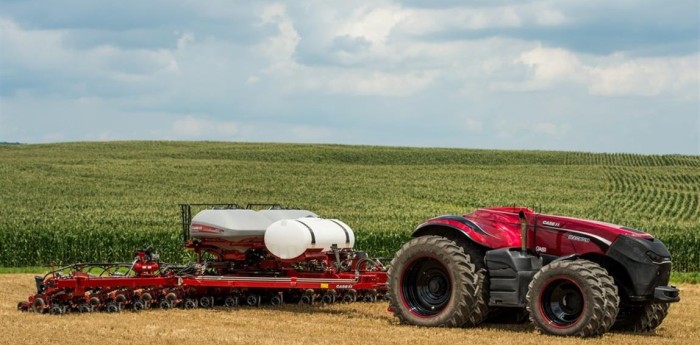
612 298
572 298
432 283
476 256
641 319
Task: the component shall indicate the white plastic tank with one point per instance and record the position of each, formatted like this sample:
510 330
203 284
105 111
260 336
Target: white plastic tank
290 238
275 215
238 224
228 224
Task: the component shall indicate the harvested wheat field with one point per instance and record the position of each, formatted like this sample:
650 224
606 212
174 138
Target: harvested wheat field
357 323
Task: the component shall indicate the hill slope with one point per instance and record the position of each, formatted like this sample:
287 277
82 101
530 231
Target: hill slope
99 201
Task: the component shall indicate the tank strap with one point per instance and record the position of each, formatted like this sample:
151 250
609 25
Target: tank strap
347 236
313 237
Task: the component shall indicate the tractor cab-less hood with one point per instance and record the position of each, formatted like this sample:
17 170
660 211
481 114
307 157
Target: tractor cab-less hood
504 222
597 229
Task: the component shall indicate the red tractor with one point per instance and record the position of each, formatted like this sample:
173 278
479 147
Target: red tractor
574 277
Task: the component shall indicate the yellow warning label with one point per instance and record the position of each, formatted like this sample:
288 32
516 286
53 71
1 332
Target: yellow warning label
324 285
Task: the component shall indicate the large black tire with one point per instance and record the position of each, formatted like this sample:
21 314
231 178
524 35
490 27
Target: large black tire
572 298
612 298
432 283
476 256
641 319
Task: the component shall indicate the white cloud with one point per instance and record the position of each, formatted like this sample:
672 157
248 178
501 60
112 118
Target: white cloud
22 47
391 63
428 21
679 76
374 25
377 83
345 71
551 66
184 40
196 127
279 48
273 13
45 54
613 75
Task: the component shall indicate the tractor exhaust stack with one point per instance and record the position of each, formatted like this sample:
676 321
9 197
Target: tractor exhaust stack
523 232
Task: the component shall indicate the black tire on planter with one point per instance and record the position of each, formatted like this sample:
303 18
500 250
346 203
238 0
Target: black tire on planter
568 298
432 283
641 318
39 305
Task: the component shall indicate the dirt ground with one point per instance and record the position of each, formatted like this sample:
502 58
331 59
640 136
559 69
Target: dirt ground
357 323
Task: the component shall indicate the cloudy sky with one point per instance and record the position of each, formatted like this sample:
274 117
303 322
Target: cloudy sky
584 75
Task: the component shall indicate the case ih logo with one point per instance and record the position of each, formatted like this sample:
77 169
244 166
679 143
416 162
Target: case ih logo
551 223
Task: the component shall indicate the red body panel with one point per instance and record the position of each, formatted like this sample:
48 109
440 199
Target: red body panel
499 227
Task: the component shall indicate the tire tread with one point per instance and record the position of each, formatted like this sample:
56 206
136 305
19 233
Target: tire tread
605 297
462 314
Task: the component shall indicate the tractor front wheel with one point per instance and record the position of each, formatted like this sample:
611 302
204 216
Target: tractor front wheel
432 283
641 319
572 298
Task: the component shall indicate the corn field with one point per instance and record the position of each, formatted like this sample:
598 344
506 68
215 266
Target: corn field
89 202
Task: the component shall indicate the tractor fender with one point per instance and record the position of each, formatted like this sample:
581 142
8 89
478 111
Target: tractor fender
569 257
455 227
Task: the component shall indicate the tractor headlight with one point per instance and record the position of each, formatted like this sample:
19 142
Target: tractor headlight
657 258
